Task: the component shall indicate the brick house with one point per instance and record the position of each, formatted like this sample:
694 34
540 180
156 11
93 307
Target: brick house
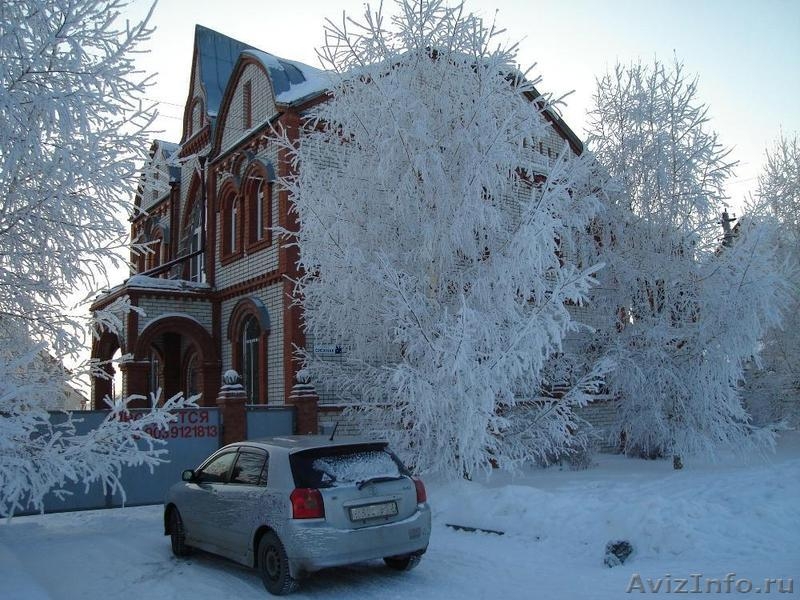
215 288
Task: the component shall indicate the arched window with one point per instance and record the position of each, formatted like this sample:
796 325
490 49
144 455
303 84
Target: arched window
233 228
164 246
258 199
248 332
194 233
196 117
153 259
231 223
140 261
250 353
156 379
193 374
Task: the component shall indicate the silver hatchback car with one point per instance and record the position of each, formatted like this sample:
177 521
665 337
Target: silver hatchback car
293 505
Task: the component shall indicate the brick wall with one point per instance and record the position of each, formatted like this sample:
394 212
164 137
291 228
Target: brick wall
253 263
601 414
330 414
199 310
262 106
197 92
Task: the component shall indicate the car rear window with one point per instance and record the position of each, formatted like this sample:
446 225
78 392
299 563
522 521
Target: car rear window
343 465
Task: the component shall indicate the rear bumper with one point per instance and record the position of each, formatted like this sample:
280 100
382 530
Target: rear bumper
312 545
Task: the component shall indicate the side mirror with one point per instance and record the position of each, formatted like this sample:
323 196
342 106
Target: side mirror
188 475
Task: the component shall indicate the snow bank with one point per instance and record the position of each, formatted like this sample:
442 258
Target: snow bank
727 515
709 520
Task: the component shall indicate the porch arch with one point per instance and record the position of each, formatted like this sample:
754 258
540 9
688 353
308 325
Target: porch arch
163 333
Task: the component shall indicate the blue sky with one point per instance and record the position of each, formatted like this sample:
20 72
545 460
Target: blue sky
746 53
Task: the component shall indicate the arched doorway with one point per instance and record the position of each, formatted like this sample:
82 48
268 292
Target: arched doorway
177 354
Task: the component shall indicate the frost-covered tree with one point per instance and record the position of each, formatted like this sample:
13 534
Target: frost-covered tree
72 130
430 247
774 388
779 184
689 313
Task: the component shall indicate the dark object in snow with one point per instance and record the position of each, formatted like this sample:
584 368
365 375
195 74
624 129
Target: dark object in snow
474 529
617 552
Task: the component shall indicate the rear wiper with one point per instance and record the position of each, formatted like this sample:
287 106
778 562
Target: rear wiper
360 484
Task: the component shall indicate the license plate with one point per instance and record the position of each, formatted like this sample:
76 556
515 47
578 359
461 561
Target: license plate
372 511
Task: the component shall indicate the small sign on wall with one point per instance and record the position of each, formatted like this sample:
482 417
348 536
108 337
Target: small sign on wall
329 349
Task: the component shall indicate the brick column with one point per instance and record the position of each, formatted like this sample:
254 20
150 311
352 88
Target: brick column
304 398
135 381
102 387
233 415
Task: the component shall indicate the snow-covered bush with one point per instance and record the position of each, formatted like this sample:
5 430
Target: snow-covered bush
430 250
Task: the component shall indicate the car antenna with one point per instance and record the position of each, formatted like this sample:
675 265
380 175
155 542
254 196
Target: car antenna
333 433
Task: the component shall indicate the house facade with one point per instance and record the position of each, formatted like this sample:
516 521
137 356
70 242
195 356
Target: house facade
213 291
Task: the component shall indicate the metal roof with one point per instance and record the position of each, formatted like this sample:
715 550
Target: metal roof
167 150
217 54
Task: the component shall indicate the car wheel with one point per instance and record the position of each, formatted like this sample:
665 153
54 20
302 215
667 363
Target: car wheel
274 566
404 562
177 534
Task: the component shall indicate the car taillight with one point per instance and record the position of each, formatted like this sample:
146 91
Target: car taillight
422 496
307 504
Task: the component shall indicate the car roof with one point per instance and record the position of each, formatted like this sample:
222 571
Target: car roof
293 443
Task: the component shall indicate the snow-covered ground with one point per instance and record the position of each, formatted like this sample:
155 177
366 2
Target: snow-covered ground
700 524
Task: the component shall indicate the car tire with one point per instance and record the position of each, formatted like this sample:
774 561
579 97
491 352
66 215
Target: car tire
404 562
273 565
177 534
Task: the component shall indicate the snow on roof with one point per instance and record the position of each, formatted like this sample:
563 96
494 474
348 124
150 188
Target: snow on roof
167 147
156 283
291 80
218 54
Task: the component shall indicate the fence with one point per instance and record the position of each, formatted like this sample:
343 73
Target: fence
195 434
189 440
268 421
